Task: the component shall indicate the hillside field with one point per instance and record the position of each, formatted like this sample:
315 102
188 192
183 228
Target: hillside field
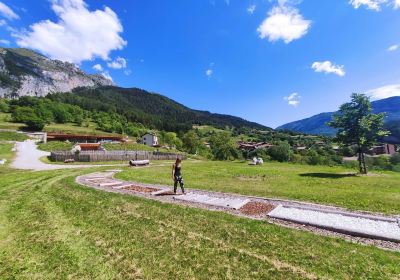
52 228
376 192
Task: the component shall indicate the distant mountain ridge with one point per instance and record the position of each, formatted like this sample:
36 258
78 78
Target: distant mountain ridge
317 124
24 72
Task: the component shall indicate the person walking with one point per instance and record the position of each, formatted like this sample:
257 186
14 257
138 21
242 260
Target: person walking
177 175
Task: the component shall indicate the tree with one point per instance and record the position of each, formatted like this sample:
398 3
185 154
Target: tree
223 147
4 107
358 126
191 142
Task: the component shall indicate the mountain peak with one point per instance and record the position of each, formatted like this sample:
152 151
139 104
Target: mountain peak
26 72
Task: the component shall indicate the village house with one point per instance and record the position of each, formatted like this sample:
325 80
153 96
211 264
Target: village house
385 149
150 139
249 146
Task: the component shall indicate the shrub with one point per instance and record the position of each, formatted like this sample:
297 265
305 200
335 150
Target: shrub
395 159
282 152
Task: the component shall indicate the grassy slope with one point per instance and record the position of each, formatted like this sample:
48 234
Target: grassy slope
12 136
52 228
75 129
5 153
6 124
379 192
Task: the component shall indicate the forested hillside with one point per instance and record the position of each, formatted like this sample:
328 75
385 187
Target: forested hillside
150 109
117 110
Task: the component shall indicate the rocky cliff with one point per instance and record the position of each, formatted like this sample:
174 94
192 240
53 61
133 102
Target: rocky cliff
25 72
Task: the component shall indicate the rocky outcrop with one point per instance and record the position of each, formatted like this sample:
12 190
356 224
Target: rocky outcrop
27 73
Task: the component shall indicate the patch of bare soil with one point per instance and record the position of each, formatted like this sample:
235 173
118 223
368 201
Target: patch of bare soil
167 193
256 208
141 189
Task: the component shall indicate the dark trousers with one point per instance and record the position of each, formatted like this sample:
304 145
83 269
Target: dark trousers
178 179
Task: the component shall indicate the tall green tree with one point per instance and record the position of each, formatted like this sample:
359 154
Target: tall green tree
191 142
223 147
358 126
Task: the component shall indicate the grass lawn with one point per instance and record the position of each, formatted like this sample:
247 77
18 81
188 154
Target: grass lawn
12 136
5 153
75 129
111 162
52 228
6 124
55 146
377 192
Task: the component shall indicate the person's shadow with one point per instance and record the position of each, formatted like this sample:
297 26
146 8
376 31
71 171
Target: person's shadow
327 175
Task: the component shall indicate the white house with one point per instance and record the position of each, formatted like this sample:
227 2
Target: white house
150 139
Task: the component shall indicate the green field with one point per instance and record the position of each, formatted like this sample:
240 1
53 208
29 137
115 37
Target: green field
6 124
7 154
12 136
52 228
75 129
377 192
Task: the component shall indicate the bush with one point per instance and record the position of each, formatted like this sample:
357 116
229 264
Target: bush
297 158
395 159
35 124
282 152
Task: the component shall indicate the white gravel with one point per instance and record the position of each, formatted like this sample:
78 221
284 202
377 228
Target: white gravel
234 203
372 228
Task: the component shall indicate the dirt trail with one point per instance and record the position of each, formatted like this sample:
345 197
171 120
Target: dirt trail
28 157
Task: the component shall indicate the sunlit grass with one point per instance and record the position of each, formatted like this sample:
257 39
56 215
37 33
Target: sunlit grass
52 228
378 191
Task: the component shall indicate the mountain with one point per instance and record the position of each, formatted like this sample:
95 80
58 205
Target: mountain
24 72
150 109
317 124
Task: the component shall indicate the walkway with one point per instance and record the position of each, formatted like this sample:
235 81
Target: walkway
28 157
332 219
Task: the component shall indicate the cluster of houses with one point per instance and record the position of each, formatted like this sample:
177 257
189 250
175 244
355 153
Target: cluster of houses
383 149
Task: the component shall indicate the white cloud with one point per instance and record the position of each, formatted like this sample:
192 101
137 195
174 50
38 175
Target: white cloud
293 99
284 23
128 72
117 63
3 22
209 73
393 48
98 67
6 12
78 35
375 5
385 91
251 9
328 67
4 42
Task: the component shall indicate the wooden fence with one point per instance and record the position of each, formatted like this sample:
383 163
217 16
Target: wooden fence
96 156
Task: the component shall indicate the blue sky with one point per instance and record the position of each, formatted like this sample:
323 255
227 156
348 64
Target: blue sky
269 61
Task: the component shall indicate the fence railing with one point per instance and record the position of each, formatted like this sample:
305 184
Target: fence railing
95 156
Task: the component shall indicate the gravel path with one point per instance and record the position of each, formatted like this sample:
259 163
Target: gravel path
358 227
28 157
